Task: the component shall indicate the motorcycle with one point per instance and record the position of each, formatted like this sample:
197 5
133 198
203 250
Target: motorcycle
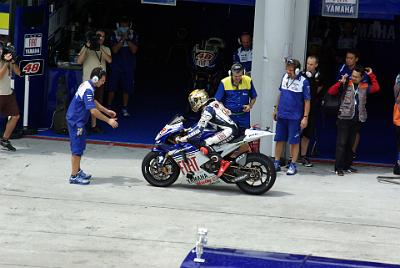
252 172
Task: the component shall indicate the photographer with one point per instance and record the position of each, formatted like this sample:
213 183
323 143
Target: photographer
94 54
124 48
8 102
352 113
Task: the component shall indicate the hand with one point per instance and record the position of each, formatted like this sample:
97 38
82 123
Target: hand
8 57
226 111
180 139
304 123
368 70
79 131
111 113
246 108
113 122
274 115
344 78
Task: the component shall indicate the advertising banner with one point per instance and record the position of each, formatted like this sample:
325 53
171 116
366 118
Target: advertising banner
340 8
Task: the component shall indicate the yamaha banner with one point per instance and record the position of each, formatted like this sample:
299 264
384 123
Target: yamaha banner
340 8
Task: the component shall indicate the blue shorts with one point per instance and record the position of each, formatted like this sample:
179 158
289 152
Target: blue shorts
77 143
288 130
121 80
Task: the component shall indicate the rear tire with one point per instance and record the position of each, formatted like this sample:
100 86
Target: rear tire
263 177
159 176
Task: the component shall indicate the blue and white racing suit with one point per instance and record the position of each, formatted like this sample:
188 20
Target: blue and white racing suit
214 116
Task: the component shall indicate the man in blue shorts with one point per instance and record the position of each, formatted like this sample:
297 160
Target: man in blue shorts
82 106
291 113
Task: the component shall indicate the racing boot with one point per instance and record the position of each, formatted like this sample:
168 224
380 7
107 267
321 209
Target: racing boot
216 158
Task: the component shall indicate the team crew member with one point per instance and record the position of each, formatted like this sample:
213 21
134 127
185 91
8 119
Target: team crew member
82 106
314 78
291 113
238 94
244 54
214 115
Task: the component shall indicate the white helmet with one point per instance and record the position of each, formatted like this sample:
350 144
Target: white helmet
197 98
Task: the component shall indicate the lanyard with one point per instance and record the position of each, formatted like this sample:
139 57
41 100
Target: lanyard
99 57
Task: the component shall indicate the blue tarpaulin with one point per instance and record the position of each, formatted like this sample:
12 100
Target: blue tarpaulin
368 9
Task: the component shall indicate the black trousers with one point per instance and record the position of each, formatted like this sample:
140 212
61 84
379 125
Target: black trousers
398 138
346 135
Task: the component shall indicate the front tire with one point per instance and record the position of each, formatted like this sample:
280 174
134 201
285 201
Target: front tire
263 174
160 176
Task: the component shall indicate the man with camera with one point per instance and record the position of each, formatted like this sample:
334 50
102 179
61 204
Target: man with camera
352 112
124 48
8 102
94 54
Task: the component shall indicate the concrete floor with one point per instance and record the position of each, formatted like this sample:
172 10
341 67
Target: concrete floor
121 221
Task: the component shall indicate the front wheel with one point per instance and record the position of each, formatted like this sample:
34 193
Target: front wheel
262 174
159 175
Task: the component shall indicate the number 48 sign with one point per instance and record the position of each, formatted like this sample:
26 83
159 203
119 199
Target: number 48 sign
31 67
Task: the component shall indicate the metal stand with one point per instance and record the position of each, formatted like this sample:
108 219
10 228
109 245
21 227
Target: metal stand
26 130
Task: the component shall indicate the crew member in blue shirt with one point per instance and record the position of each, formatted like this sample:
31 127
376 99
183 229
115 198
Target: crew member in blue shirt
244 54
81 107
291 113
238 94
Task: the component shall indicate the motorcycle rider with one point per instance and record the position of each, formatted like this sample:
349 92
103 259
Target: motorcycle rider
215 115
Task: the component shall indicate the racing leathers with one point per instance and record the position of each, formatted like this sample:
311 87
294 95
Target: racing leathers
214 115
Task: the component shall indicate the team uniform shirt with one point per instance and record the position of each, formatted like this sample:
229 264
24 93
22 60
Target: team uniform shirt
94 59
79 109
293 94
235 97
344 69
5 82
244 57
124 60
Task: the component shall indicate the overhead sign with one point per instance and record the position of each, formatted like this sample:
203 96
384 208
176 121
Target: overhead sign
31 67
160 2
32 44
340 8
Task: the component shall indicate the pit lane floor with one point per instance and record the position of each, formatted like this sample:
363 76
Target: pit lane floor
120 221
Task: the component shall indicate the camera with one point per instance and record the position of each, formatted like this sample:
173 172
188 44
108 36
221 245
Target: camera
93 39
6 49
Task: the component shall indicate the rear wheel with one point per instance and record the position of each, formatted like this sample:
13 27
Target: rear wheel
159 175
262 174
